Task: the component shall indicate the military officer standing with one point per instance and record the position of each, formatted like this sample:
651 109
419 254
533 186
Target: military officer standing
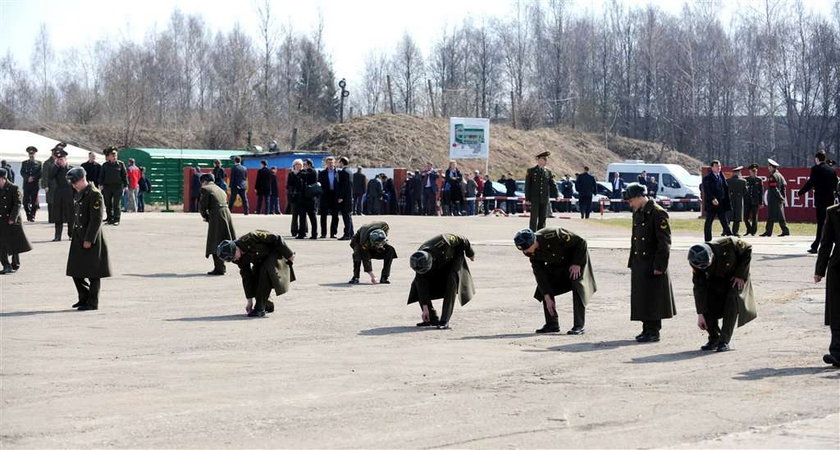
113 180
776 200
214 210
828 267
651 297
47 180
560 261
30 172
753 200
62 208
371 242
722 288
540 188
265 263
441 272
12 238
88 261
737 191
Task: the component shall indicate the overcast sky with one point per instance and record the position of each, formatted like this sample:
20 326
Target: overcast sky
351 27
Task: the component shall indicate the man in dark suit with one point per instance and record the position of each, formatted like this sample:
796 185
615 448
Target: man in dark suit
618 186
328 204
643 179
344 197
823 181
238 184
92 168
359 186
263 187
585 185
716 201
430 189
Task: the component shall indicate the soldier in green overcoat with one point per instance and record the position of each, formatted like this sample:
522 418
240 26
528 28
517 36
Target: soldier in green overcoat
47 180
62 207
87 261
371 242
214 210
265 264
540 188
753 200
737 192
722 288
560 261
776 200
12 238
442 272
828 267
651 295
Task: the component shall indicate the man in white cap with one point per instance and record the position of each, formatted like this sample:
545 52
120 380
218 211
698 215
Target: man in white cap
776 191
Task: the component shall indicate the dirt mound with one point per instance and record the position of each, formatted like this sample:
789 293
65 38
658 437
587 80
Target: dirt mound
407 141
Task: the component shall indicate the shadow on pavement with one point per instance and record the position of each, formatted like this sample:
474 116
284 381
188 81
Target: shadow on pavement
224 318
593 346
33 313
671 357
769 372
344 284
501 336
384 331
166 275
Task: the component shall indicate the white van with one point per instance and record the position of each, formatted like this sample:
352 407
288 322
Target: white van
674 181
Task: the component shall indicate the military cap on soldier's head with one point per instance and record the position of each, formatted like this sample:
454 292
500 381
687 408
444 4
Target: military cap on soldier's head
753 166
772 163
378 238
700 256
3 173
61 144
524 239
226 250
545 154
75 174
737 169
344 160
633 191
109 150
207 177
61 153
420 261
31 150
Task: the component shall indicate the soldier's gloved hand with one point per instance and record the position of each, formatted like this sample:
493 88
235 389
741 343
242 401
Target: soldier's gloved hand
738 283
574 272
701 322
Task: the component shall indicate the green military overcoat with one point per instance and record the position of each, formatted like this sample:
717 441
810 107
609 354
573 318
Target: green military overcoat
557 250
755 191
12 238
214 209
828 265
737 192
540 186
776 186
270 254
713 285
651 296
87 227
446 249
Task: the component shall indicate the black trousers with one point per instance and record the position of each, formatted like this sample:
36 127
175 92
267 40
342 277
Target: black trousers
5 261
194 202
711 214
347 221
510 206
448 298
333 222
578 314
218 264
300 213
292 208
736 226
834 346
88 290
358 205
234 191
30 200
751 218
652 326
262 200
820 222
387 256
539 211
585 206
112 195
429 201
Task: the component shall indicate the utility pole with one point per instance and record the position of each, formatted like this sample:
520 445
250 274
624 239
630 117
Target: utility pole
390 93
431 96
344 93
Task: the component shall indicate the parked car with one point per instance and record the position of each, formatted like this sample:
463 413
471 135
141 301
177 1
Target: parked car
675 182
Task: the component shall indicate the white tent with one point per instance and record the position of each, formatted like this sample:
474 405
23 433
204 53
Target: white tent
13 145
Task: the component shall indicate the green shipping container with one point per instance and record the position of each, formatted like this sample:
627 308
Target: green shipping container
165 168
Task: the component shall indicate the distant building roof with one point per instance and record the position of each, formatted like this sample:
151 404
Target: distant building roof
177 153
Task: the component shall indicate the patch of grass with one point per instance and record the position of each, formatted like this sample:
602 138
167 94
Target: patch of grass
696 226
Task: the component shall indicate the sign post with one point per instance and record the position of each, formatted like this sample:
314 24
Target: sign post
469 138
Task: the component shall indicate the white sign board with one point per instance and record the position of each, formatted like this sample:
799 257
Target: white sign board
469 138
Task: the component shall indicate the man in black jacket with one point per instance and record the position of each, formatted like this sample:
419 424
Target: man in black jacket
823 181
238 185
359 186
263 187
113 179
585 185
30 172
328 204
344 198
716 201
92 169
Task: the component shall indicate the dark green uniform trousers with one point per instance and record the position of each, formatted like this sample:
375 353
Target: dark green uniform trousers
723 335
578 312
112 194
539 211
